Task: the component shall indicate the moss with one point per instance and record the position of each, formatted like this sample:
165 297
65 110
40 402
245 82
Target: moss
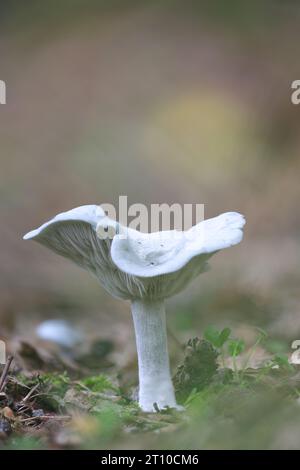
98 383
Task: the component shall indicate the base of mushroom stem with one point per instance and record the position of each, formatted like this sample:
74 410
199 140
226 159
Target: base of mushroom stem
157 394
156 407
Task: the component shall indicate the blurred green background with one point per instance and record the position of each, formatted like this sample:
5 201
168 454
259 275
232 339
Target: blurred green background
162 101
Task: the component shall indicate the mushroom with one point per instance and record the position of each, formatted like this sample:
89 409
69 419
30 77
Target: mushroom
144 268
59 332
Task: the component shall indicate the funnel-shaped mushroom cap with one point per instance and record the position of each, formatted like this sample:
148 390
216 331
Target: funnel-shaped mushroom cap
159 253
133 264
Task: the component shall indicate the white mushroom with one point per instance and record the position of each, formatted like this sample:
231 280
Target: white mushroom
145 269
59 332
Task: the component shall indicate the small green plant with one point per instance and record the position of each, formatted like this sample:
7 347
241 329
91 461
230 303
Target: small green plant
198 368
217 338
235 347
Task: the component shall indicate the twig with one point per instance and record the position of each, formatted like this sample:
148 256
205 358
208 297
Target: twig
30 393
5 372
44 418
23 409
39 395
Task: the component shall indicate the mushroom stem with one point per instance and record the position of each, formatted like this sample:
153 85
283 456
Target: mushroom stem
155 384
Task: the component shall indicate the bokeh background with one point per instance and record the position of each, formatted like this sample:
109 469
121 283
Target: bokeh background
162 101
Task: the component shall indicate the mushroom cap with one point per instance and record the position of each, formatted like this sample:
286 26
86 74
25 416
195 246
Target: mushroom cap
160 253
132 264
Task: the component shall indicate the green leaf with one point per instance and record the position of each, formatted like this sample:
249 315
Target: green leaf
236 347
215 337
212 335
224 335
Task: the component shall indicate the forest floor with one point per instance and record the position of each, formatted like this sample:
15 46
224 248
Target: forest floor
233 396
